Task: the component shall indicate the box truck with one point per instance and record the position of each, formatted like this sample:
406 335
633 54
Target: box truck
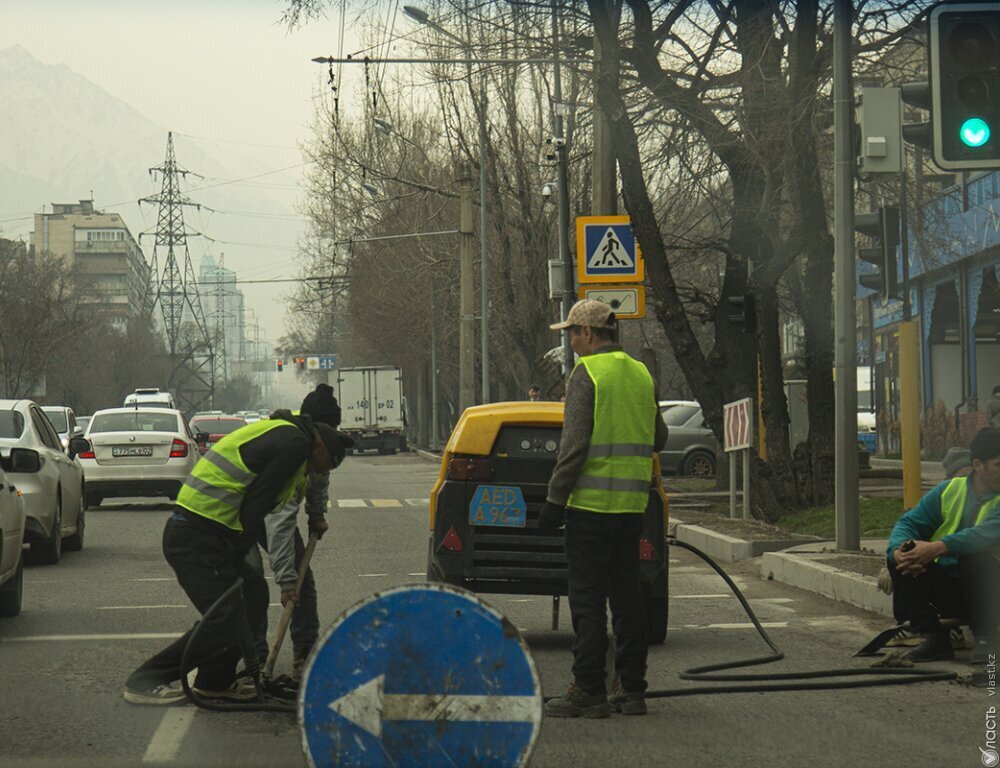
371 403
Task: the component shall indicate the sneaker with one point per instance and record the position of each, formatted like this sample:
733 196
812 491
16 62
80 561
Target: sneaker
627 702
240 690
578 703
905 638
935 647
162 695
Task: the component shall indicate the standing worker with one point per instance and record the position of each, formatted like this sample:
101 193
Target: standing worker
219 514
285 546
600 488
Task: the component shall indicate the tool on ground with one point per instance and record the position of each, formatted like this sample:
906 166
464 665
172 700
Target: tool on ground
286 616
878 642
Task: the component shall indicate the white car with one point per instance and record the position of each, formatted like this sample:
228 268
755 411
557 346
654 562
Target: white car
11 540
52 487
137 451
64 421
151 397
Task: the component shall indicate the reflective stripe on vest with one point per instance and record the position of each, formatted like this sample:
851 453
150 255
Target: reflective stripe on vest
953 507
619 467
216 487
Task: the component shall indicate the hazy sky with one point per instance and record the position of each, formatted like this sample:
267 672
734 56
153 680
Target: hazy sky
222 71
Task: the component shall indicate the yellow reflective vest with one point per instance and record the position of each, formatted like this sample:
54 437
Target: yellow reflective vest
219 481
616 477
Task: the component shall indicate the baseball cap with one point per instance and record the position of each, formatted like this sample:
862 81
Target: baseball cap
596 314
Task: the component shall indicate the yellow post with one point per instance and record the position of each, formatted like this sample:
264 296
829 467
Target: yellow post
909 408
761 432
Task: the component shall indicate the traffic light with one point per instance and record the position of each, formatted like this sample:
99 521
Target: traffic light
301 362
919 134
964 62
281 366
742 311
883 227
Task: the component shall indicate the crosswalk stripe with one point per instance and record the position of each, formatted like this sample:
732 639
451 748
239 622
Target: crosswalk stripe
386 502
352 503
417 502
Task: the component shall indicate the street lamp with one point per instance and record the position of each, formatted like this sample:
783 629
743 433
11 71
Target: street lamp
422 17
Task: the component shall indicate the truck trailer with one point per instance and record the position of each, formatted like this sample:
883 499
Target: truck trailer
371 402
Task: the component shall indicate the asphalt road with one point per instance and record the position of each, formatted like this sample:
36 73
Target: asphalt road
91 619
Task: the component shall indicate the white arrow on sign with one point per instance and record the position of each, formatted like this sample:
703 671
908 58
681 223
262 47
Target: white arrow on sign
368 706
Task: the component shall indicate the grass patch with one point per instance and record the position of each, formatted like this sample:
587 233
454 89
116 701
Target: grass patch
878 516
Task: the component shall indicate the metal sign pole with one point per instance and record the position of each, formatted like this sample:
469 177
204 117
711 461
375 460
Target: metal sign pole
732 486
746 483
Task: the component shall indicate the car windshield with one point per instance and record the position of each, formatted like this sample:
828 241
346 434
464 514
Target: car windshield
134 421
217 426
58 418
678 415
11 424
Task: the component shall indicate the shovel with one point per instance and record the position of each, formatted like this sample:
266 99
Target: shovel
286 616
878 642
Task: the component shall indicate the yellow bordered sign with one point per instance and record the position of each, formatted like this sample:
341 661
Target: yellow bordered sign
607 251
627 301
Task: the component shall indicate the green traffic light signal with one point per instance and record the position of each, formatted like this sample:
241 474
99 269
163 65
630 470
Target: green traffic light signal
974 132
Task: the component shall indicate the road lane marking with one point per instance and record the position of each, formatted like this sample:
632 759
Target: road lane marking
78 638
417 573
158 578
136 607
351 503
418 502
371 575
747 625
386 502
166 742
699 597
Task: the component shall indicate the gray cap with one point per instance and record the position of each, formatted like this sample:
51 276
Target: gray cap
587 312
956 459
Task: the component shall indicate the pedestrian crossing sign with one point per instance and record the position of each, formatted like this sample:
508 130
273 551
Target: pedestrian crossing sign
606 250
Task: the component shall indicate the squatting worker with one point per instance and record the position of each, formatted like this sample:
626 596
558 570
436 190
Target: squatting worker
942 557
220 511
284 543
600 486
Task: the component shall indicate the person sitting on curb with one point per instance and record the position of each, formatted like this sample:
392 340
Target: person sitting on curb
942 557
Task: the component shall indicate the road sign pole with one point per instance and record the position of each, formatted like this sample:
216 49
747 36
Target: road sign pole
732 486
746 483
467 328
568 295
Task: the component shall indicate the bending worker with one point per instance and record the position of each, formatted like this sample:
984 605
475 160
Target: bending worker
284 543
942 557
219 515
600 487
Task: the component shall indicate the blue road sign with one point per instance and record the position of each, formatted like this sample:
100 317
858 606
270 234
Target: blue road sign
501 505
327 362
607 251
423 675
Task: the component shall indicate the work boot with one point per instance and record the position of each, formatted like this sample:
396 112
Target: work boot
578 703
627 702
241 690
935 647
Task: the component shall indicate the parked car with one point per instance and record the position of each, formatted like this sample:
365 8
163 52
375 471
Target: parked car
11 541
214 427
691 446
140 451
82 422
64 421
52 487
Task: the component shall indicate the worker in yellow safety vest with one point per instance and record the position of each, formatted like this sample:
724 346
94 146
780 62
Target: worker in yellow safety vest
219 515
600 488
943 558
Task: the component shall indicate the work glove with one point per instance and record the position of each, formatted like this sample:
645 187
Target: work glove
552 517
319 526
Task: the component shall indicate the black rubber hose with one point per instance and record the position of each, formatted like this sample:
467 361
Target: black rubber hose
264 702
875 676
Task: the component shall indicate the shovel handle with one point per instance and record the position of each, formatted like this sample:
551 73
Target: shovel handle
286 615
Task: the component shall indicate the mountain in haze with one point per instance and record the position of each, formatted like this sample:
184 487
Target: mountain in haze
64 138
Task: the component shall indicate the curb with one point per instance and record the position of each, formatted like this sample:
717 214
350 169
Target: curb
728 549
427 455
809 573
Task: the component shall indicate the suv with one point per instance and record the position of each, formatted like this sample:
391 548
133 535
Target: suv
484 511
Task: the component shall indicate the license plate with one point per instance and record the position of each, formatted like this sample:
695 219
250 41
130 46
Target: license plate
498 505
132 450
370 434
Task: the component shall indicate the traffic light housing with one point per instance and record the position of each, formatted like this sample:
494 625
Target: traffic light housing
964 65
918 95
741 311
882 227
301 361
281 366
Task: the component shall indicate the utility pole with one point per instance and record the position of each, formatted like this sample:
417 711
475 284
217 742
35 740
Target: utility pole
484 252
848 518
434 375
467 329
909 366
562 181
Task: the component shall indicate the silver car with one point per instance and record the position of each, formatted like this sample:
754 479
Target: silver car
53 487
691 446
11 540
143 450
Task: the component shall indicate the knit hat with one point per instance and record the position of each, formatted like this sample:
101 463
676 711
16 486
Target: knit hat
986 444
956 459
322 406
